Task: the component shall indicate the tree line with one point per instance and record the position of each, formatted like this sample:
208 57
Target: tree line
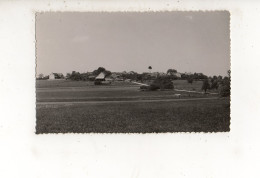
159 81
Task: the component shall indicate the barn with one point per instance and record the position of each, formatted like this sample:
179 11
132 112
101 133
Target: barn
100 77
54 76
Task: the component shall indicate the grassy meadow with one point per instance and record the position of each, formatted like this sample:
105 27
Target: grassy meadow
123 108
62 83
180 116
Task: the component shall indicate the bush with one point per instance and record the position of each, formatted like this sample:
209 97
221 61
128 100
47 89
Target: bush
159 83
205 85
144 87
225 91
167 85
163 83
154 87
97 83
214 84
190 80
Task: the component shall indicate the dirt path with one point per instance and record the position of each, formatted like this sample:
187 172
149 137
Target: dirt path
126 101
195 92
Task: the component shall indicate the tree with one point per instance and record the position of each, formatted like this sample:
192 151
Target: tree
214 84
196 76
139 77
190 79
205 85
41 76
162 82
75 76
150 68
229 73
171 71
68 75
225 89
219 78
99 70
214 78
107 73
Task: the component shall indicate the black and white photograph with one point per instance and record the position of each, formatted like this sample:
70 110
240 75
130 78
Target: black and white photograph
132 72
129 89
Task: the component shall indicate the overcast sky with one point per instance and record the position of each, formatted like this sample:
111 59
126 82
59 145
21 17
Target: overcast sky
185 41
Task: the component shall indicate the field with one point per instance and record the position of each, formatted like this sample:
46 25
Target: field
80 107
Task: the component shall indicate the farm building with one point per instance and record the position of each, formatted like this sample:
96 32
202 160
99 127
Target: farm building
188 73
109 79
178 75
115 75
131 73
53 76
100 77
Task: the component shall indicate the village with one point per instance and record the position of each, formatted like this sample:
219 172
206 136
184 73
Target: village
148 80
104 75
130 100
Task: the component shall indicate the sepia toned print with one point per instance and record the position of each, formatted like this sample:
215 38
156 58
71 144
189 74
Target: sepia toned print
132 72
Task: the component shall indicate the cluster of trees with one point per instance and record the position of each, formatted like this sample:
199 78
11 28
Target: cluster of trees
185 76
87 76
172 74
74 76
101 69
161 82
131 75
42 77
223 84
171 71
191 77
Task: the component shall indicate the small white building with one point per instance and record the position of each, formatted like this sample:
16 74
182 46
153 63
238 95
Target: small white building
177 74
52 76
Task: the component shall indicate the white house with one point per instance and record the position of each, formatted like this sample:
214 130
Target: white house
177 74
54 76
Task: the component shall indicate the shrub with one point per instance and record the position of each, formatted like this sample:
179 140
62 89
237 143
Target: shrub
225 91
214 84
205 85
190 80
154 87
97 82
163 83
144 87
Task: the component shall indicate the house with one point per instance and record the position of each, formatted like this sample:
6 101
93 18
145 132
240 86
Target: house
54 76
188 73
162 74
154 74
178 75
131 73
100 77
109 79
115 75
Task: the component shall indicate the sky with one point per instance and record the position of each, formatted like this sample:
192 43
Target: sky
133 41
